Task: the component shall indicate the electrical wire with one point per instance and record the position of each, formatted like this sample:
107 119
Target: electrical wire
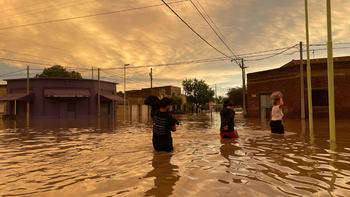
12 72
196 32
25 6
39 57
87 16
212 27
29 12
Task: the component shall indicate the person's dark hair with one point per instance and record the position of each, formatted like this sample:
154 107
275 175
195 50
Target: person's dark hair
164 102
225 103
230 104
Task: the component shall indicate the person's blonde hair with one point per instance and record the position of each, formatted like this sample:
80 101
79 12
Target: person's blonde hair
275 96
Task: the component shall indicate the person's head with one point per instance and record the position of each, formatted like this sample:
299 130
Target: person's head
230 105
275 96
165 103
276 101
225 103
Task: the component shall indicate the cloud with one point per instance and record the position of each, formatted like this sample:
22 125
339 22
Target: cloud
153 36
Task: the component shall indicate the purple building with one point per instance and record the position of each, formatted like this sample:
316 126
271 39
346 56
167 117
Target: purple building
60 97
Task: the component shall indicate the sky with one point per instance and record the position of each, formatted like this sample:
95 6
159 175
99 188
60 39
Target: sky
107 34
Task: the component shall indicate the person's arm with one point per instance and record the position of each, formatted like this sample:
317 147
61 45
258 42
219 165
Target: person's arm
281 103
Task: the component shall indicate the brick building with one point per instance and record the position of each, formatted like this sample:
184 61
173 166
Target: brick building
136 97
287 80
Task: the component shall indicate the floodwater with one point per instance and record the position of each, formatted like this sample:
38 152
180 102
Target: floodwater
102 157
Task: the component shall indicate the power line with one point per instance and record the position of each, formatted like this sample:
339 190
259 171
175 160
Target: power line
13 72
86 16
28 12
12 60
274 54
212 27
26 6
196 32
220 25
39 57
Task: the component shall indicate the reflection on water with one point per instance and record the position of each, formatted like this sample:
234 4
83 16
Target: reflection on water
105 157
164 173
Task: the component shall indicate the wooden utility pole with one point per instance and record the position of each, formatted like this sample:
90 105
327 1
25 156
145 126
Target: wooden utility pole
27 91
302 91
243 78
99 93
151 76
92 73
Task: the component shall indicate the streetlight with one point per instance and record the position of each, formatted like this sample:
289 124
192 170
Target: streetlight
124 90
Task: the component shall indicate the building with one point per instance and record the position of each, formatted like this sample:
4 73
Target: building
286 79
3 90
60 97
136 98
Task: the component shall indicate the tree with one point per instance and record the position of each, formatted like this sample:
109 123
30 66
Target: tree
176 100
197 92
58 71
235 95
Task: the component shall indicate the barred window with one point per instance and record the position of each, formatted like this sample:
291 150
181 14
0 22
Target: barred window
320 97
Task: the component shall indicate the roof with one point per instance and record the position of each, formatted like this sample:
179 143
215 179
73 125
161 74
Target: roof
18 97
317 61
110 97
54 78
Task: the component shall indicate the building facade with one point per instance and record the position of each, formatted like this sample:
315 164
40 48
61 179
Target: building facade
3 91
60 97
286 79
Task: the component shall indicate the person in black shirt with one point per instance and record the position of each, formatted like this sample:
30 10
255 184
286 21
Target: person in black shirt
227 128
163 124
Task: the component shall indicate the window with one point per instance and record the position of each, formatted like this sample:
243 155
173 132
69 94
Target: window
173 94
320 97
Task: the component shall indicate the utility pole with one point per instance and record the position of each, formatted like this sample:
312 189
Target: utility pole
27 91
302 91
308 67
99 93
330 74
243 78
92 73
125 92
151 76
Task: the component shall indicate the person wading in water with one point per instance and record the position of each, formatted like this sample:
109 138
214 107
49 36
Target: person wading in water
227 116
163 124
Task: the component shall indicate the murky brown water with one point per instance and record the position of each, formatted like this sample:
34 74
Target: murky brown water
87 157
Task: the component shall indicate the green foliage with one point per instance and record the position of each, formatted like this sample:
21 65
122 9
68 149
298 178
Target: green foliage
58 71
177 100
235 95
205 107
197 92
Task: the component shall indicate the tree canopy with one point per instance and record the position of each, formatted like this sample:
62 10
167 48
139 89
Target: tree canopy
176 100
235 95
58 71
197 91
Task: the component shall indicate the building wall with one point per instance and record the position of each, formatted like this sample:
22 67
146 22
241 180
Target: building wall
3 91
287 80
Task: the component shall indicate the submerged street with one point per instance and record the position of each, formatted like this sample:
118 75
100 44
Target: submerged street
91 157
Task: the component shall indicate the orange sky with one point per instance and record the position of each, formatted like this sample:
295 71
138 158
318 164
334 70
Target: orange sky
143 36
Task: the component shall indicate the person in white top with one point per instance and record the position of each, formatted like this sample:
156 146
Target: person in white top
277 113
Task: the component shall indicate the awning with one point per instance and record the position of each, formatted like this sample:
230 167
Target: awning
110 97
18 97
67 93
